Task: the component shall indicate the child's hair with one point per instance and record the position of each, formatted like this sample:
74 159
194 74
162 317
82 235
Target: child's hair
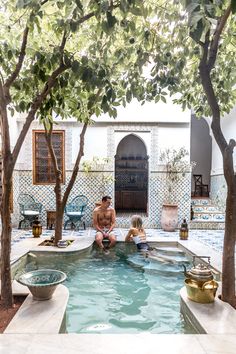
136 221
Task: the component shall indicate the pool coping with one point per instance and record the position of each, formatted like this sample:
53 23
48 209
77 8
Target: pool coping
40 317
190 309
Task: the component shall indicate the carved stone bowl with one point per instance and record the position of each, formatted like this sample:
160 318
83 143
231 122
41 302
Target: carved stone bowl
42 282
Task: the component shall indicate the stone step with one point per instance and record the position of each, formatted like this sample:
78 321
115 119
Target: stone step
206 215
169 250
205 209
157 265
209 217
202 201
206 225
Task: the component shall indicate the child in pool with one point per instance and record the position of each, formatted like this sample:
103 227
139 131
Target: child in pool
137 234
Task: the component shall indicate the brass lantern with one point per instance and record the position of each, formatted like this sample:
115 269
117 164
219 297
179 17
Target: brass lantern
183 231
36 227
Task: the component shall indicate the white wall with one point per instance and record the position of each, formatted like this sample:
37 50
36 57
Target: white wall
96 138
228 125
149 112
173 137
95 142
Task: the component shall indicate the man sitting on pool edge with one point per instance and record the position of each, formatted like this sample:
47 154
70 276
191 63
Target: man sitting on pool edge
104 218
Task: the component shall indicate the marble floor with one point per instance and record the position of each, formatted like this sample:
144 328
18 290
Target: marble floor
143 343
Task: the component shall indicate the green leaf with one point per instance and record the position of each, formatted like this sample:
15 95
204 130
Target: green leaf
111 20
79 5
22 106
20 4
233 5
73 26
109 94
136 11
163 99
9 54
75 66
128 96
196 32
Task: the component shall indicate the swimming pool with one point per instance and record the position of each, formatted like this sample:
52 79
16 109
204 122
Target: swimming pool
122 292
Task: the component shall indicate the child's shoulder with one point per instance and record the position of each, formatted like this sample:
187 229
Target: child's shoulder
133 230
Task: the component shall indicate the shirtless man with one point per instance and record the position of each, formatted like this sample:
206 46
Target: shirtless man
104 218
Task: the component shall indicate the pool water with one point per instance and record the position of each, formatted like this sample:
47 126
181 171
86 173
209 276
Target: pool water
123 292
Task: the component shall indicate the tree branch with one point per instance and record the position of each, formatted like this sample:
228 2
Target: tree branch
91 14
4 126
62 45
216 37
76 166
57 171
48 136
228 166
80 154
35 106
21 57
204 71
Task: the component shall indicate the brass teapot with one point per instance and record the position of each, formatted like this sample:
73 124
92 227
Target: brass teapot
199 273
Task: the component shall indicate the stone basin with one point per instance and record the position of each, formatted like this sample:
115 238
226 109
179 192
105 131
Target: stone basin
42 282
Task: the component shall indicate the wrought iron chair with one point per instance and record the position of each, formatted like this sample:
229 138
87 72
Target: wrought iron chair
75 211
200 189
29 209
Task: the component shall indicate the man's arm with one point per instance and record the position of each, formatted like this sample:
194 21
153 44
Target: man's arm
113 220
95 221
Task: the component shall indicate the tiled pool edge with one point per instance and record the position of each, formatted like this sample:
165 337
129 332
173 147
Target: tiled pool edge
217 317
41 317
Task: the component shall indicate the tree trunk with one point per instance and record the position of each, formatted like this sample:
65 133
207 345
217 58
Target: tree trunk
6 289
59 225
59 208
61 202
228 262
228 257
7 170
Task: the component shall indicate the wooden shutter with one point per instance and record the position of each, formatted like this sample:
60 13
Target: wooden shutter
43 172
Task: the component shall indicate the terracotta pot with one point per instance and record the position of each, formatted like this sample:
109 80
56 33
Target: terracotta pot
169 217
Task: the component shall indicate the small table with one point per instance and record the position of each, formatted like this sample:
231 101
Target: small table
51 219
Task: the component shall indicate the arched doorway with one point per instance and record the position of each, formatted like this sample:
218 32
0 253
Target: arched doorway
201 153
131 175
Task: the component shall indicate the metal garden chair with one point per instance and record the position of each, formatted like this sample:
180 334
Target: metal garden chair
75 211
200 189
29 209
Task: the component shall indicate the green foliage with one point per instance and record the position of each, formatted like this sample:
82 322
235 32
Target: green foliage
173 49
97 166
176 167
107 51
101 61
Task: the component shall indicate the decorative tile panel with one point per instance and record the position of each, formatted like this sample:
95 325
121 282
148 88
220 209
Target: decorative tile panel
218 191
92 187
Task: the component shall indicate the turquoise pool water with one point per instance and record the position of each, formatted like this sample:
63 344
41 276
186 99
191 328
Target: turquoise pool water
122 292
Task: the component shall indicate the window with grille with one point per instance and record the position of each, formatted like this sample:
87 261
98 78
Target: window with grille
43 172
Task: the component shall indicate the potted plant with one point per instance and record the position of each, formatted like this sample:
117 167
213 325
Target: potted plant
176 166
